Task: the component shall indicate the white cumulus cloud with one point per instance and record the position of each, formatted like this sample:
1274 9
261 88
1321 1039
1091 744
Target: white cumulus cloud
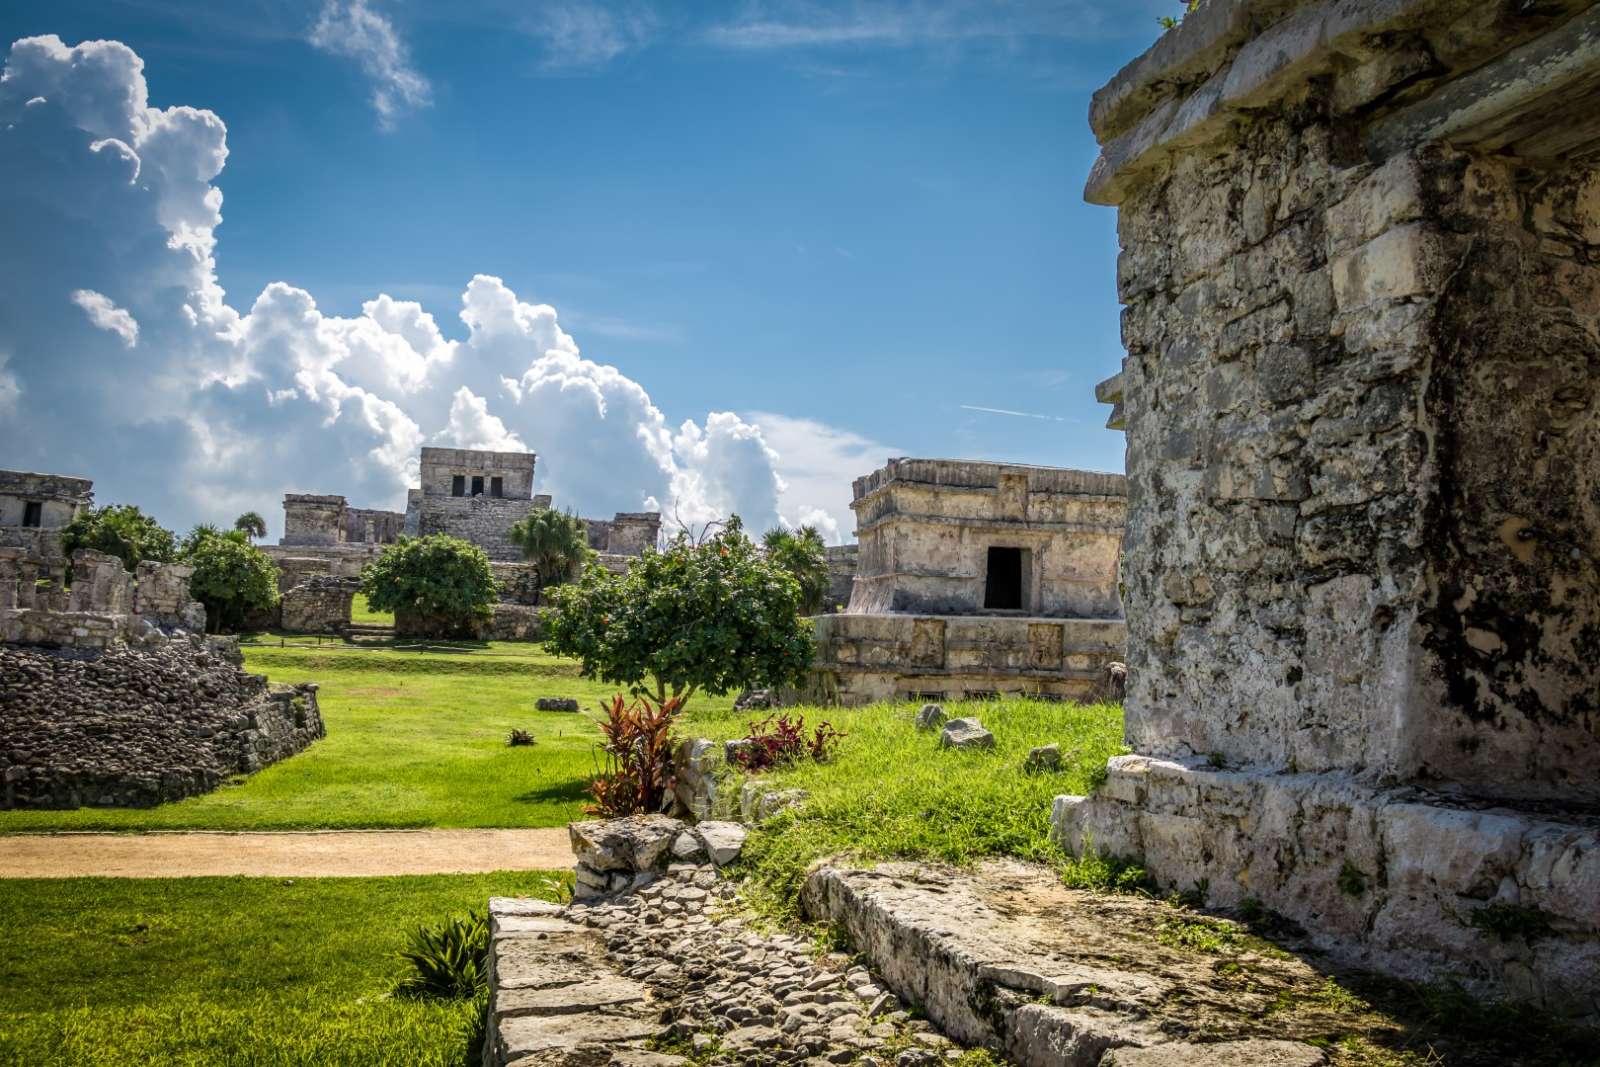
107 316
351 29
171 397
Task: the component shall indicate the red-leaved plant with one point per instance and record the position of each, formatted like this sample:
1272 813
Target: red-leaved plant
778 741
638 745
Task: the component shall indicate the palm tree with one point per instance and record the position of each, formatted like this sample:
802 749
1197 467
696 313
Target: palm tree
555 542
251 524
804 554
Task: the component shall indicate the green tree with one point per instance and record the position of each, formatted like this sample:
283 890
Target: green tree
439 581
231 575
804 554
251 524
712 614
120 530
555 542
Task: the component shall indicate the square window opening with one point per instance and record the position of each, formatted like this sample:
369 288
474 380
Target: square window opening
458 485
477 485
33 513
1002 590
497 487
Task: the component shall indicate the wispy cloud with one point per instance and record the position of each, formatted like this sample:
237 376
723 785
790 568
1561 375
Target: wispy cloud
351 29
1018 414
802 24
578 36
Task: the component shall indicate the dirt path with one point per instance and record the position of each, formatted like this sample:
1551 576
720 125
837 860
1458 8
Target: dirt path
283 855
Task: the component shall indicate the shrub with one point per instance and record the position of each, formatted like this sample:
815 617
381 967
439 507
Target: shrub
804 556
778 741
520 738
120 530
638 746
450 961
711 614
231 576
438 578
1169 21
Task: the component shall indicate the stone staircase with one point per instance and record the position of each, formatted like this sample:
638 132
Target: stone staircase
366 631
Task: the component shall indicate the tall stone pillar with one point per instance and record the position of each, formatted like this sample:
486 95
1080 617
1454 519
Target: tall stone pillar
1361 269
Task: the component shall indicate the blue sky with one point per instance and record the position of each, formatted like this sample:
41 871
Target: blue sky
851 224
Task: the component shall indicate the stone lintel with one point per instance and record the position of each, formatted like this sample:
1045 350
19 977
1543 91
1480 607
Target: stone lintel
1043 527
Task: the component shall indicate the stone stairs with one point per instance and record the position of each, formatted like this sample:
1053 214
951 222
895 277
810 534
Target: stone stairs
366 631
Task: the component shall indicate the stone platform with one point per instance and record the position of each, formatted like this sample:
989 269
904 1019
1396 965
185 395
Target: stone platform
1003 956
863 658
1500 899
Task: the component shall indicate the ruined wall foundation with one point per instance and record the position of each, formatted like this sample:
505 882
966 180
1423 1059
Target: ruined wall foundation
1361 264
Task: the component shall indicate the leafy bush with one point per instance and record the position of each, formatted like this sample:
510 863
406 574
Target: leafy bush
555 542
120 530
778 741
450 961
436 577
803 554
638 746
520 738
1169 21
711 614
231 576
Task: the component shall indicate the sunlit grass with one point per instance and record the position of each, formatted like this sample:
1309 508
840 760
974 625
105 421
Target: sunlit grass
206 972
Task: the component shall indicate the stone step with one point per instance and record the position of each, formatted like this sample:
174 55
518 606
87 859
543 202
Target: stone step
1003 955
556 998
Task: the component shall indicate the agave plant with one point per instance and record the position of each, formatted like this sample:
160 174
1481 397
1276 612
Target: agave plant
450 961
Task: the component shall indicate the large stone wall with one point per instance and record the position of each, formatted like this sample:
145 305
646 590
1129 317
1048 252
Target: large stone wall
843 562
133 727
1361 264
103 605
313 519
926 526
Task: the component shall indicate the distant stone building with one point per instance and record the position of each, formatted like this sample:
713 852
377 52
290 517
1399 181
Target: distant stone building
975 579
34 508
474 495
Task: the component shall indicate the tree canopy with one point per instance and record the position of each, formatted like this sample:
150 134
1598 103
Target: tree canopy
555 542
251 524
438 576
712 615
231 575
120 530
804 554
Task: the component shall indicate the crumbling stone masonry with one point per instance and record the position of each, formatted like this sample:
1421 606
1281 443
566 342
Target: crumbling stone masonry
843 561
1361 264
319 605
975 579
34 508
105 700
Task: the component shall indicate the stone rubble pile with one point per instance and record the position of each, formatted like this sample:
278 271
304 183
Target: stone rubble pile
618 855
556 704
651 977
138 726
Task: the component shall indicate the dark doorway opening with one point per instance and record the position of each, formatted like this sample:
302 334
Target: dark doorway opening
477 485
32 513
497 487
1003 587
458 485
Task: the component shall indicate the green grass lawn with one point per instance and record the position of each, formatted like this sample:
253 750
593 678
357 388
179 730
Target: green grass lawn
359 612
213 972
891 791
415 738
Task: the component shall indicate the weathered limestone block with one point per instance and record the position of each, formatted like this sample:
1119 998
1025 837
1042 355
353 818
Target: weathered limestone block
1362 400
319 605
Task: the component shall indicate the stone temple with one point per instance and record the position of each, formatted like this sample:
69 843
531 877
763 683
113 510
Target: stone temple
975 579
466 493
1361 269
35 508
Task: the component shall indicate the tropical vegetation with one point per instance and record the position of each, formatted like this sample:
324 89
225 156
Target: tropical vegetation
440 581
120 530
803 553
555 542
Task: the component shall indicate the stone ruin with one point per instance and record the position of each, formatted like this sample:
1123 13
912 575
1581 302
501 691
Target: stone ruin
976 579
466 493
843 562
35 508
1361 269
111 695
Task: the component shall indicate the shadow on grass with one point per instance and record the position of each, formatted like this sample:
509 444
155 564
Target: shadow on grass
567 792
